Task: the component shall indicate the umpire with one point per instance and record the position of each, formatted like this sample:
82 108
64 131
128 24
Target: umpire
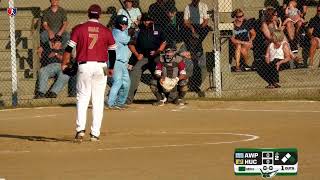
146 49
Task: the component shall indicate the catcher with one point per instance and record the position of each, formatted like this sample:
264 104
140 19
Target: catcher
170 82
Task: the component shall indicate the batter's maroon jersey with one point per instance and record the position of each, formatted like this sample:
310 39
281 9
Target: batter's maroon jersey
92 41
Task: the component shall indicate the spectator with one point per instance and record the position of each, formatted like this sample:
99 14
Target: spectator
134 15
173 26
270 24
55 23
157 11
293 15
243 35
51 59
146 49
196 23
170 67
301 5
314 34
277 54
291 27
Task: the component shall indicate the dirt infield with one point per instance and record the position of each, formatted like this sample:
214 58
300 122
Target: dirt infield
195 142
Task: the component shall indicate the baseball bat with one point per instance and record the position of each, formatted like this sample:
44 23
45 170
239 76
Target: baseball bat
123 7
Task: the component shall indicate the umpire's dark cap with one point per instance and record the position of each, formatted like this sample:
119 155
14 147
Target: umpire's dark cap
146 17
94 9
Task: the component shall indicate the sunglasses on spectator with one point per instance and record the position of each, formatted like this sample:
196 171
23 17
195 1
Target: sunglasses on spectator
240 16
318 10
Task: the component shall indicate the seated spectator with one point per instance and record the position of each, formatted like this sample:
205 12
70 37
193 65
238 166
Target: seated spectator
196 24
54 23
171 66
278 53
51 59
134 15
314 34
293 15
292 29
243 35
270 24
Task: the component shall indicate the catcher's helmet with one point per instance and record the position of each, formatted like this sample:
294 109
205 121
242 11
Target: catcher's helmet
169 52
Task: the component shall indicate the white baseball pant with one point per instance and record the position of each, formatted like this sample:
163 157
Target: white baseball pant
91 81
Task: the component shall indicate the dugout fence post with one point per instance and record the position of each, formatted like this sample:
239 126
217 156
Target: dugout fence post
12 12
216 43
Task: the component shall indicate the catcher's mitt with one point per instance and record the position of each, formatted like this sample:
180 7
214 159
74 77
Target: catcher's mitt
71 69
169 83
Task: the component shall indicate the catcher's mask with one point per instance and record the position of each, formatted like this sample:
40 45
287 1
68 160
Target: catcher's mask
169 54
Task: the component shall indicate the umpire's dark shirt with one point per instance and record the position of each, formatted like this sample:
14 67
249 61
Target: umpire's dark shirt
149 40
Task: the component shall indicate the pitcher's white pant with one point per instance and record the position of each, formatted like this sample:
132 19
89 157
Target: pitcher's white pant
91 81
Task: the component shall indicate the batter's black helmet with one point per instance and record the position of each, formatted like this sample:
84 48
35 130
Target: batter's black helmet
121 19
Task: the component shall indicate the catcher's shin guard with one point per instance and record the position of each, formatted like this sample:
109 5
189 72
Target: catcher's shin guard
183 88
155 90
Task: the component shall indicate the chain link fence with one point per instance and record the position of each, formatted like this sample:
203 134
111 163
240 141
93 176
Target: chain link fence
213 49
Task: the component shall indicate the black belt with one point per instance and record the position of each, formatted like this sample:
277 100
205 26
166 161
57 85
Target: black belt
84 62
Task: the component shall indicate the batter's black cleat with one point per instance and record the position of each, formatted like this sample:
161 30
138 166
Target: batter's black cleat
79 136
94 138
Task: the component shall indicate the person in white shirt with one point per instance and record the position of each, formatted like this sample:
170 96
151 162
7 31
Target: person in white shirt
195 14
278 53
134 15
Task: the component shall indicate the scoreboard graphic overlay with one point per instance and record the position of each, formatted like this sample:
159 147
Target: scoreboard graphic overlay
266 162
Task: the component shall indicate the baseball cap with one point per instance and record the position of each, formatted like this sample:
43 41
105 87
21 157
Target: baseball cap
121 19
94 9
171 9
146 17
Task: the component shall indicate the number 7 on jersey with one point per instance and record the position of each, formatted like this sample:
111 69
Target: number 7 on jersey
94 38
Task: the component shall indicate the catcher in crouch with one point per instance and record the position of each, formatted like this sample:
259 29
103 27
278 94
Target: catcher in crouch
170 82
